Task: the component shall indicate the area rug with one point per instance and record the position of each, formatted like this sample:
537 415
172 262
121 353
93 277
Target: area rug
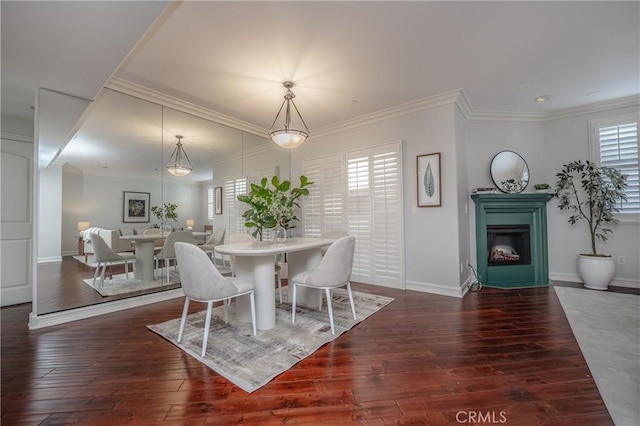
251 361
606 326
119 284
89 260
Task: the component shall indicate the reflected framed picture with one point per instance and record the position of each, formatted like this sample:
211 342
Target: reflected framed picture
429 180
135 207
218 200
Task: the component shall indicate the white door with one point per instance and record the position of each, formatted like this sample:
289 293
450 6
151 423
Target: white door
16 221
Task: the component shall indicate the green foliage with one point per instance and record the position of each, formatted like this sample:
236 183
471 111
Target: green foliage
166 212
429 182
542 186
273 204
592 193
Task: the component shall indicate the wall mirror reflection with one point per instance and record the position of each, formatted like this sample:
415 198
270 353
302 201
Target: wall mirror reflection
113 174
509 172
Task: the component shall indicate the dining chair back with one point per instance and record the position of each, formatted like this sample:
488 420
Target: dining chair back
105 256
168 251
333 271
216 239
202 282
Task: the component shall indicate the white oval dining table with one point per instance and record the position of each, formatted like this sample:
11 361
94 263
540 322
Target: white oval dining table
255 262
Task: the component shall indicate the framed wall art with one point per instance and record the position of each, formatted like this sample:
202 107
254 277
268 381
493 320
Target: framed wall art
429 180
218 200
135 207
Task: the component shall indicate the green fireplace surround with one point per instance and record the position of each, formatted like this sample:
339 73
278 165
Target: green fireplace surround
528 209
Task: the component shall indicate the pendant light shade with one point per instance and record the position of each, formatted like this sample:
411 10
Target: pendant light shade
288 137
179 164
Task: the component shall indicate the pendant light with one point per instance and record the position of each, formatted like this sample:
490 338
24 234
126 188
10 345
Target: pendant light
288 137
179 164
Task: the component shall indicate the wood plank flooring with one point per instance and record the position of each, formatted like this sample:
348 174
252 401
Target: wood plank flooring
495 356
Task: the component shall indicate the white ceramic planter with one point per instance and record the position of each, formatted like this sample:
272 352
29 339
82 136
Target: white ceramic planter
596 272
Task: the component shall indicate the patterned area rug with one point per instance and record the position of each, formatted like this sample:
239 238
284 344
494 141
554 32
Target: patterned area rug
252 361
119 284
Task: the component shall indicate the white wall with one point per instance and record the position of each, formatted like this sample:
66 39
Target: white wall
50 214
430 234
99 199
567 140
17 126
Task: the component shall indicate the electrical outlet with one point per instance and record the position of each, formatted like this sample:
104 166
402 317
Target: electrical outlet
620 259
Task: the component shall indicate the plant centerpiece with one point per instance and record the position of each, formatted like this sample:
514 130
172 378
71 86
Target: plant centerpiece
542 187
592 193
166 212
273 204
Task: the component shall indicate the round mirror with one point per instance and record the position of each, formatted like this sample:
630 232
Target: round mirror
509 172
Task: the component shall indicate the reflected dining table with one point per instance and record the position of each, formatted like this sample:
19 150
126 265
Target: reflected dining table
144 246
255 262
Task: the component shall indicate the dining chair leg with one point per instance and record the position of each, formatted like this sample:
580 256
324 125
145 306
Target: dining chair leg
253 312
207 323
104 269
328 292
353 307
185 310
225 309
293 305
95 274
126 269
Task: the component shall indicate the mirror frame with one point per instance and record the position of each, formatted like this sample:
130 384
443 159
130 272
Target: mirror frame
519 182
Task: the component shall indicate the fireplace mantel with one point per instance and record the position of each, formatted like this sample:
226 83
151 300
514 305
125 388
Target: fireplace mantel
528 209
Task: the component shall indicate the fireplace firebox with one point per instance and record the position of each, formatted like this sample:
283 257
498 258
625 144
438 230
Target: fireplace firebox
508 245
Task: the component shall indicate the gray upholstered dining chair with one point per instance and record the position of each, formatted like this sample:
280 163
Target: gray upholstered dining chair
214 240
105 256
333 271
168 252
202 282
240 237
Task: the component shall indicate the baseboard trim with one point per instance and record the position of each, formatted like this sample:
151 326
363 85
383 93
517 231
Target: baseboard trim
50 259
56 318
616 282
439 289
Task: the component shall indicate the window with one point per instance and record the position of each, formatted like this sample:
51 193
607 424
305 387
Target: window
360 192
614 143
210 204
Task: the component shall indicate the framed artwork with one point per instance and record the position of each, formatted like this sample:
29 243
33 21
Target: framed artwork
135 207
218 200
429 180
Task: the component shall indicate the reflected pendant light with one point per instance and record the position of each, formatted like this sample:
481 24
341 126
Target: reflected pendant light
288 137
179 164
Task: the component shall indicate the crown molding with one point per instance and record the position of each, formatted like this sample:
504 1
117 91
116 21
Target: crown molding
441 99
470 113
162 99
629 101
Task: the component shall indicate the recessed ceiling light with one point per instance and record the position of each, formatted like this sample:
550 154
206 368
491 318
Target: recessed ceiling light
543 98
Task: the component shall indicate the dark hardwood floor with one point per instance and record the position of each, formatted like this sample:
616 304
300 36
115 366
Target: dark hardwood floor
493 357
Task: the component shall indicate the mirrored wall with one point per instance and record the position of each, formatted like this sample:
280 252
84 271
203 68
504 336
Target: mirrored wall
121 150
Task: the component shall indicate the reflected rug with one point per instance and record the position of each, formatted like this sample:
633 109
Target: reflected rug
251 361
119 284
606 327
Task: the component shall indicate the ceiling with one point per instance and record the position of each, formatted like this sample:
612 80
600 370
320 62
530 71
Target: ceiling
347 59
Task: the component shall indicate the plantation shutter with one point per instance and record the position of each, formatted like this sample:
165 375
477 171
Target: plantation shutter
233 208
360 192
209 203
619 149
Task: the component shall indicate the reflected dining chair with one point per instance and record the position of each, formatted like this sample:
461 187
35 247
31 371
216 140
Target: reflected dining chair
168 253
202 282
333 271
216 239
240 237
105 256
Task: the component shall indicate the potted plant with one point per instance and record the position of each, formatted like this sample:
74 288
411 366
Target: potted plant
164 213
542 187
592 193
272 204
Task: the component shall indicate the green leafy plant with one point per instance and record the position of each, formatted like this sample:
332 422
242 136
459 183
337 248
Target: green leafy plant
166 212
273 203
542 186
592 193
